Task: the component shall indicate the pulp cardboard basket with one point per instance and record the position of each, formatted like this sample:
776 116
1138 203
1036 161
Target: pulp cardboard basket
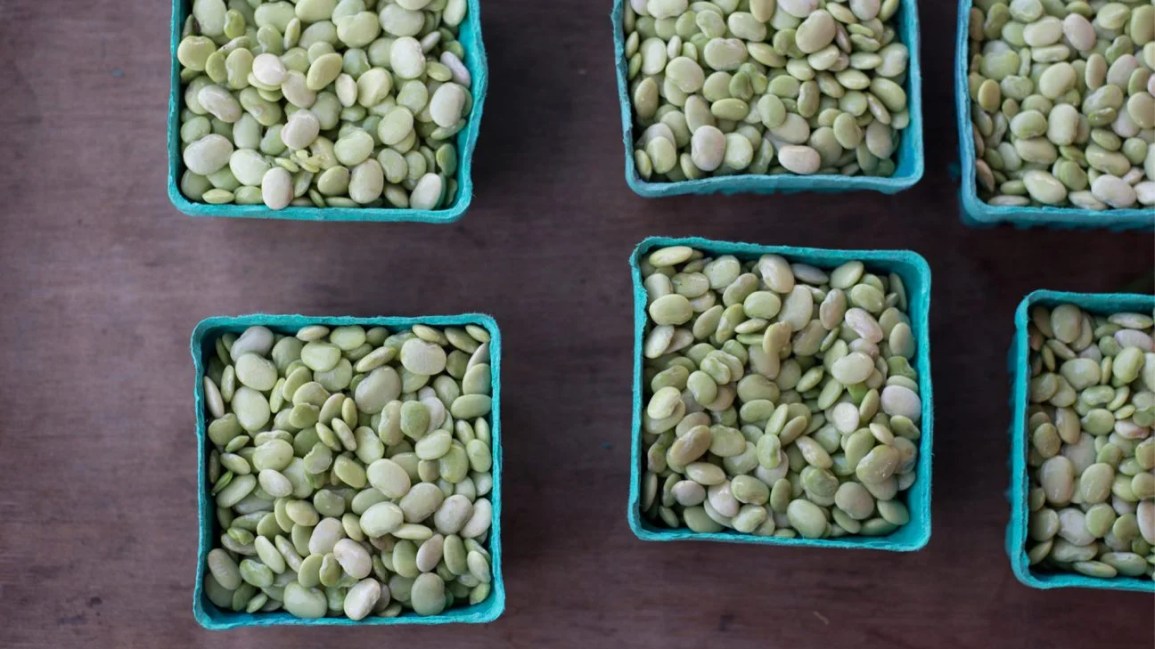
202 346
915 274
909 161
1020 489
979 213
475 60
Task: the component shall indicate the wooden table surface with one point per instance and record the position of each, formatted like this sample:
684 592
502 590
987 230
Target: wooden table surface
102 282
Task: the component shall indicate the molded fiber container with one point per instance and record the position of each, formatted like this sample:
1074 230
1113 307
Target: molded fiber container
915 274
977 212
909 160
469 34
202 346
1020 376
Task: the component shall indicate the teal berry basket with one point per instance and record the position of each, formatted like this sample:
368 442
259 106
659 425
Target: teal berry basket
1020 377
475 61
202 345
910 158
915 274
978 213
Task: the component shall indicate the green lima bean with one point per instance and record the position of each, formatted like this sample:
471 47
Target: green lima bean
765 87
345 478
1062 105
1090 453
780 398
323 103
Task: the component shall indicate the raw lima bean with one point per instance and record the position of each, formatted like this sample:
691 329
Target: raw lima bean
1091 453
740 435
315 103
1062 105
334 490
769 88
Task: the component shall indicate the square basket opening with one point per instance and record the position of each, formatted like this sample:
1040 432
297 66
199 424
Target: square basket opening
915 274
1019 361
469 35
909 158
976 211
202 347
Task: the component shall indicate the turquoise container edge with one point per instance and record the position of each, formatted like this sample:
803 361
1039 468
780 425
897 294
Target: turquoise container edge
475 60
978 213
915 273
207 614
1019 359
911 159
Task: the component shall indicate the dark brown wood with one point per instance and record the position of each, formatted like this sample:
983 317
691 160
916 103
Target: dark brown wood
102 281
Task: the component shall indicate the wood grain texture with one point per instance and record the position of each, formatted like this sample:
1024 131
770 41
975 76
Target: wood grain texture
103 281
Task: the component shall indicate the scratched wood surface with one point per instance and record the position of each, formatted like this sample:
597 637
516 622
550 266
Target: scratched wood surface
101 281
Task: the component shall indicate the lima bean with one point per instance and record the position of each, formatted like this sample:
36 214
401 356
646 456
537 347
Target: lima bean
730 436
319 81
311 503
1093 399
